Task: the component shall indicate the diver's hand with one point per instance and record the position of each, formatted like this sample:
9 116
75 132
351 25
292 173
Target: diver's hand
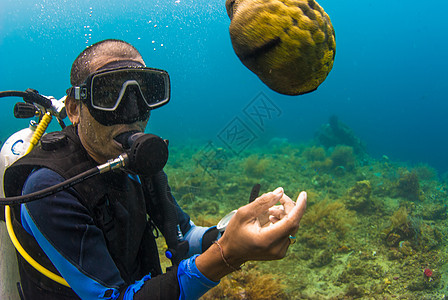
247 239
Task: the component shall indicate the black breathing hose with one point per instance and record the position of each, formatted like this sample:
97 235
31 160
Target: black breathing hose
135 160
33 97
29 96
50 190
13 94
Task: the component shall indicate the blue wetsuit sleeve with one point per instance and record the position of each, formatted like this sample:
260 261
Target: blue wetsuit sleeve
65 231
195 238
193 284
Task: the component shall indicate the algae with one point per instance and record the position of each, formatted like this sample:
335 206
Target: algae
371 228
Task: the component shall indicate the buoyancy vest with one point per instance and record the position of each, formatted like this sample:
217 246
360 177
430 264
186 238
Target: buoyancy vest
117 204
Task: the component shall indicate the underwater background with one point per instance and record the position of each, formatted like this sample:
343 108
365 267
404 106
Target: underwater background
376 218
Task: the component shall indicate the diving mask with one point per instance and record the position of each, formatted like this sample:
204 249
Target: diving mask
123 95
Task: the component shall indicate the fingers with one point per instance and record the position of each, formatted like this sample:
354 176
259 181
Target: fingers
297 212
289 223
276 212
300 204
287 203
273 219
251 240
261 204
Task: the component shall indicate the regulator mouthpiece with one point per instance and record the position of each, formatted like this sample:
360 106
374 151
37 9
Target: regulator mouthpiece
147 153
23 110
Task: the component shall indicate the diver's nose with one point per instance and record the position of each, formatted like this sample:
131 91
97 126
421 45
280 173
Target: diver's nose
131 98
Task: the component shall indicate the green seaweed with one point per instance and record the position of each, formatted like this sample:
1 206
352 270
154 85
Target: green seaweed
370 229
358 196
254 166
248 284
408 186
343 156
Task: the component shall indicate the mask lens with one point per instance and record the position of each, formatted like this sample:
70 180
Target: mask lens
109 87
153 87
105 90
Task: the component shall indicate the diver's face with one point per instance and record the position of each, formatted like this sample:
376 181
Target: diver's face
98 139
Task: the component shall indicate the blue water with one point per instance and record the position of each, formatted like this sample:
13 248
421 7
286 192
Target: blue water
388 82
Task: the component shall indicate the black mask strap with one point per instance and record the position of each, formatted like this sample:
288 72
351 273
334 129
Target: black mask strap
121 64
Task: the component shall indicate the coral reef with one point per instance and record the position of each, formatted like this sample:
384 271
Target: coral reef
371 228
408 186
425 172
340 160
401 230
328 216
255 166
342 156
315 153
400 220
358 196
322 259
207 207
337 133
322 165
248 284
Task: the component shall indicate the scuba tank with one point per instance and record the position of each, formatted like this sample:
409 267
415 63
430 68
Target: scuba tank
13 149
16 146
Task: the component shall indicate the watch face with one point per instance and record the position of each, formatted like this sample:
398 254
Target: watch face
222 225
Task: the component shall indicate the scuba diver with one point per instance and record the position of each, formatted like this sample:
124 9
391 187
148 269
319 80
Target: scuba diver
99 235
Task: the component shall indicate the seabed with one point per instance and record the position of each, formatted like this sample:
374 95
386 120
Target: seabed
373 228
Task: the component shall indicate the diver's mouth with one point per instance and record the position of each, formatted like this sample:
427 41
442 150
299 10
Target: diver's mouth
121 138
266 47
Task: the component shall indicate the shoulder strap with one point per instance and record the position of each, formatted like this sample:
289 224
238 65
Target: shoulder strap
70 159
